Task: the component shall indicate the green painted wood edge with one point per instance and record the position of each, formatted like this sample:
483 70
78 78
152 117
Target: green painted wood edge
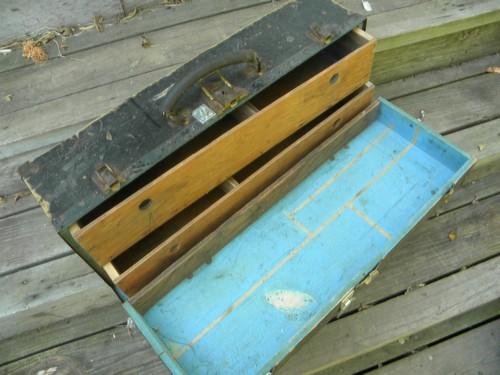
436 31
153 339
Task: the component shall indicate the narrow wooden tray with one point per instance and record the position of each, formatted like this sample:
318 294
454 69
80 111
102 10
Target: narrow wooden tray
184 183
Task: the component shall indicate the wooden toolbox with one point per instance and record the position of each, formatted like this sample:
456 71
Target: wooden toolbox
233 203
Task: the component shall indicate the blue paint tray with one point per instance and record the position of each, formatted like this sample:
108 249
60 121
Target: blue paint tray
281 276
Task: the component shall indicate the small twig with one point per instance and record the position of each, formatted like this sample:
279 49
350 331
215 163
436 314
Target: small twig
58 47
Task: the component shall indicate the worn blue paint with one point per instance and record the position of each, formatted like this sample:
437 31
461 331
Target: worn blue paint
271 285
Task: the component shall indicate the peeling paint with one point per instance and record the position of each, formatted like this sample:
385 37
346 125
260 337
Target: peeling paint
288 300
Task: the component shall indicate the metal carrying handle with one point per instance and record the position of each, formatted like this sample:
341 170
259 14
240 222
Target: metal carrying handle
167 105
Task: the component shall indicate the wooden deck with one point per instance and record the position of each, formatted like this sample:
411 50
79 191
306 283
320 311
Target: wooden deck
433 305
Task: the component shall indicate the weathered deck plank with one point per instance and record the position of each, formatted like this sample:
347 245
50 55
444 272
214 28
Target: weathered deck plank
401 324
145 21
474 352
119 60
52 291
114 351
73 328
457 105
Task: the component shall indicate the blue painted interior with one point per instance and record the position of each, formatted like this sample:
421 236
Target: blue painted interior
273 283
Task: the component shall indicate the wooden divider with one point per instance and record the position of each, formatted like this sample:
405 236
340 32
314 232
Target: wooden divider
173 247
138 215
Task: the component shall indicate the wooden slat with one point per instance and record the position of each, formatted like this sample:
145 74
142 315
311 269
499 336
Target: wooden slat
428 20
73 326
446 50
452 107
115 351
27 239
182 185
379 6
435 78
162 256
146 21
121 60
209 246
402 324
474 352
29 298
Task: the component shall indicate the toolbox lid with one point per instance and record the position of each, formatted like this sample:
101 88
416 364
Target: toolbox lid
82 172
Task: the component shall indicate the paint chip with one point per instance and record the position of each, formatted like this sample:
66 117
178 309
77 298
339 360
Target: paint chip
288 300
366 5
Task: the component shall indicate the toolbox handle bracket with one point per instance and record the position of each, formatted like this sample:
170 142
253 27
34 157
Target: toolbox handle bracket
167 105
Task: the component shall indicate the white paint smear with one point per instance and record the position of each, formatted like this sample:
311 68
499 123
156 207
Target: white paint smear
288 300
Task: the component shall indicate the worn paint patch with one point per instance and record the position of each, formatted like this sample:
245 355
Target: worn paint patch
289 300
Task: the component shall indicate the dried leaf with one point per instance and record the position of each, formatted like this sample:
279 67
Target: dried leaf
145 43
452 236
109 137
481 147
35 52
493 69
8 98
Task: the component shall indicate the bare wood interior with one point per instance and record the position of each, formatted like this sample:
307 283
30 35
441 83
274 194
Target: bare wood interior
251 181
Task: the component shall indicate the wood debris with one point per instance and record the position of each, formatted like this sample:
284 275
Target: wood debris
99 23
372 275
20 195
145 42
34 51
134 12
493 69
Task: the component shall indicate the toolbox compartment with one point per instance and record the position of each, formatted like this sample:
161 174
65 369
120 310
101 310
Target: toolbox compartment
245 296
